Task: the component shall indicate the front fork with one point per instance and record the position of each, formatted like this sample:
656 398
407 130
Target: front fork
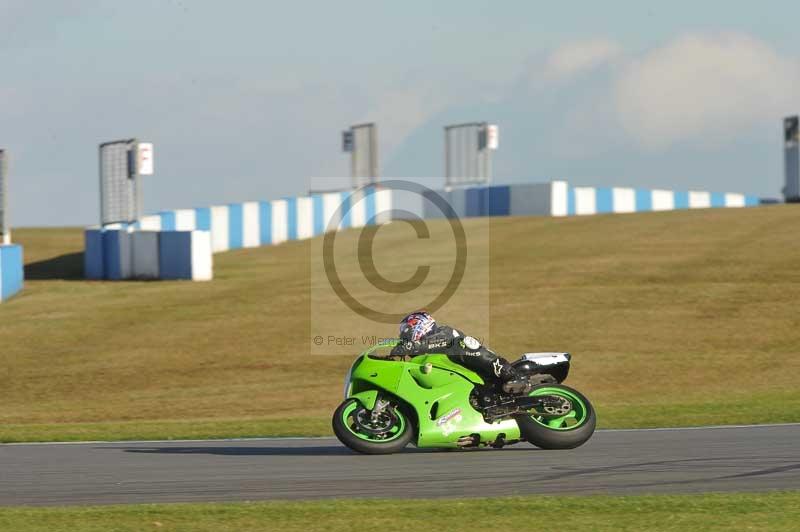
372 401
380 406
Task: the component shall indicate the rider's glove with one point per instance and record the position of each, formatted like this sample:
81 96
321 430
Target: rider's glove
405 348
398 350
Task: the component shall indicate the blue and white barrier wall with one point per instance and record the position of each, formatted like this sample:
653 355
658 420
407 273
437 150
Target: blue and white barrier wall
599 200
558 198
12 271
118 253
152 249
263 223
178 244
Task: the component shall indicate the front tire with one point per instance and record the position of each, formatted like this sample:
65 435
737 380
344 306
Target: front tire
353 425
571 429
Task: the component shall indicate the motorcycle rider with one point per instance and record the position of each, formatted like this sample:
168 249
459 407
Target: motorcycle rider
420 334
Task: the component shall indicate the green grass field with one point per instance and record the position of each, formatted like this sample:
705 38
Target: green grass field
675 318
711 512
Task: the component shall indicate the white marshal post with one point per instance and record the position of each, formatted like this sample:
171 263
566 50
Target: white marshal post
467 153
492 136
791 159
361 142
122 162
144 159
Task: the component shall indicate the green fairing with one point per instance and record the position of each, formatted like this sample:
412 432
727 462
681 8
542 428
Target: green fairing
367 398
439 397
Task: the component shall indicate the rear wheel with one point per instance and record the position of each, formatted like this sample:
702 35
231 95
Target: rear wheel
567 420
388 431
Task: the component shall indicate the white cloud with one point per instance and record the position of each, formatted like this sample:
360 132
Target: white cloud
23 23
399 111
588 99
700 87
581 56
399 107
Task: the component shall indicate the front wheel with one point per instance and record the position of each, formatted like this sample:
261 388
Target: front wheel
358 428
565 421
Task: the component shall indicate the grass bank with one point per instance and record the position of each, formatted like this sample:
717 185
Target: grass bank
724 512
675 318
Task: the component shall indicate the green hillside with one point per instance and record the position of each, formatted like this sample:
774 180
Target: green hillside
674 318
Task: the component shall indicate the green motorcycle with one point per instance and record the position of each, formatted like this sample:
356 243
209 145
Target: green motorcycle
435 403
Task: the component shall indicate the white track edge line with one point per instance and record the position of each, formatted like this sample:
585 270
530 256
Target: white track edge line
704 427
210 440
290 438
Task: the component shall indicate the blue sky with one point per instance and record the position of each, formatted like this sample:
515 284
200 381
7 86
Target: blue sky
246 100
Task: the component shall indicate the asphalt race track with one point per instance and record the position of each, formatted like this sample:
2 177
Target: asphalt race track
637 461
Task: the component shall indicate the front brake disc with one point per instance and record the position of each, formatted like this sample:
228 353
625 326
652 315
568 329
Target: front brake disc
382 425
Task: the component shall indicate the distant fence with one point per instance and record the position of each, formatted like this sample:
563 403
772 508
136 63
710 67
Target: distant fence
11 270
559 198
178 244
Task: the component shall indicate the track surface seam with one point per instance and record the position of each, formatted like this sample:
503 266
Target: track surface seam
678 460
290 438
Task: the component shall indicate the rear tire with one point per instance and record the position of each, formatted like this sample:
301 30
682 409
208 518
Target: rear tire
349 430
556 433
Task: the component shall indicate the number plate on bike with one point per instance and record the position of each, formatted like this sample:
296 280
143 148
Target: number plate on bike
546 359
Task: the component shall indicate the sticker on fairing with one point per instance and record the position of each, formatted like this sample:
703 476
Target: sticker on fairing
472 343
497 366
449 421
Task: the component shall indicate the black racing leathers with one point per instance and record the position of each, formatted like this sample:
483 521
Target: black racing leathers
464 350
